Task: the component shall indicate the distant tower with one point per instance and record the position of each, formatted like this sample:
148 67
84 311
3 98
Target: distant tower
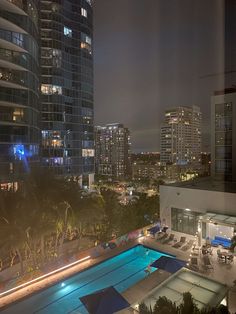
112 146
181 136
67 88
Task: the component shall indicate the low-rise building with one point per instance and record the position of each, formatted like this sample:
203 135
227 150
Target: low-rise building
204 205
142 171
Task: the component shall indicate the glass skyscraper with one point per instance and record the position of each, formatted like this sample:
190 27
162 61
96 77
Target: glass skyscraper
19 89
67 87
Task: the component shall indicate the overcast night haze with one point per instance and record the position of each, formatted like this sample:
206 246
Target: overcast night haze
118 156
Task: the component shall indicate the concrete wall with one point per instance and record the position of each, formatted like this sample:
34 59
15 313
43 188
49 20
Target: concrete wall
196 200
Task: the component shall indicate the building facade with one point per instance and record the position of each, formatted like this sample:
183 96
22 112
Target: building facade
223 135
19 89
146 166
147 171
112 146
229 43
67 88
181 136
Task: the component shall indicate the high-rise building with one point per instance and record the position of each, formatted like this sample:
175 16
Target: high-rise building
230 43
67 88
223 135
112 147
181 136
19 89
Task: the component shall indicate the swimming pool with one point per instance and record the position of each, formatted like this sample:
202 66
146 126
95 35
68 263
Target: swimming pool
121 271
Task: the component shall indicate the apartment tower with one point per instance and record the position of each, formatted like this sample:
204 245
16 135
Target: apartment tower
19 90
181 136
113 159
67 88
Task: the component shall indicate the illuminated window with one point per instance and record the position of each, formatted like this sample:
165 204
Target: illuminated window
57 57
86 46
88 40
67 31
84 12
18 114
88 152
49 89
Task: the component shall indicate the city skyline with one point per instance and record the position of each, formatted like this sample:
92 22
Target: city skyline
139 72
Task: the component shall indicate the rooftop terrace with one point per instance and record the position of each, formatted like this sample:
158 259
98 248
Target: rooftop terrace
207 184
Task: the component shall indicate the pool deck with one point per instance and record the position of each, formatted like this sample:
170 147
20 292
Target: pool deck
222 273
62 275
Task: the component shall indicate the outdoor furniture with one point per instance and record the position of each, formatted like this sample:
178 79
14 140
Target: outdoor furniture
180 243
164 236
107 300
171 238
188 245
193 265
226 243
206 250
229 258
158 235
220 257
154 230
168 264
195 251
207 263
225 257
164 229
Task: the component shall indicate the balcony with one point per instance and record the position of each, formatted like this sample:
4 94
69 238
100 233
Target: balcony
12 40
13 60
12 79
13 6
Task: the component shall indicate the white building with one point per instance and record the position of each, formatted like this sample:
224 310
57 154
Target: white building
181 136
202 205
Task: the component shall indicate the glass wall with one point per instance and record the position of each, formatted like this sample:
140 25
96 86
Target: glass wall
184 221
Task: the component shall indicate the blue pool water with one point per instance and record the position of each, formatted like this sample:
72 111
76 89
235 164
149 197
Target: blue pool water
121 271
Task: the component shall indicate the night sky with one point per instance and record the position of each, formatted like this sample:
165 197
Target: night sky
150 55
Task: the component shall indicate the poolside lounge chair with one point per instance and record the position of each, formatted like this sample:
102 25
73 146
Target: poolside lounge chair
180 243
193 265
188 245
164 236
171 238
207 263
196 251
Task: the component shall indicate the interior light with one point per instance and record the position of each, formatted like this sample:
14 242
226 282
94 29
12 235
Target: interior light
187 209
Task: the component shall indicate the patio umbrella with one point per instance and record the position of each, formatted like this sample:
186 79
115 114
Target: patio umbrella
169 264
154 229
107 300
